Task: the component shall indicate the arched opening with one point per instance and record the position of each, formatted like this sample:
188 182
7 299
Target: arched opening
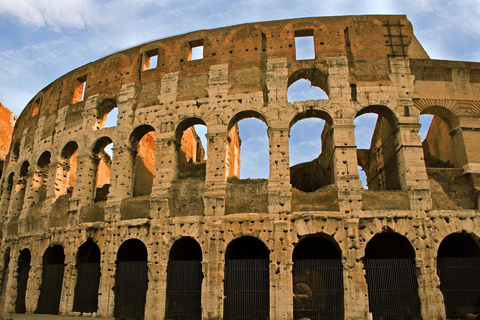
107 114
377 148
7 193
247 152
390 274
317 279
4 280
143 140
184 280
88 278
458 267
15 154
247 285
131 280
303 90
40 180
438 143
67 169
103 164
311 136
52 280
22 279
191 155
20 188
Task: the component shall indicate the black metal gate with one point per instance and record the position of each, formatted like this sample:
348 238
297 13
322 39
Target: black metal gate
131 289
318 289
392 289
22 279
184 290
51 291
86 289
460 284
247 289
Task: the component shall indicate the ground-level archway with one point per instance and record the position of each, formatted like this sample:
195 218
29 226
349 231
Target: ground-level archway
131 280
88 278
22 279
458 267
317 279
391 280
184 280
247 285
52 280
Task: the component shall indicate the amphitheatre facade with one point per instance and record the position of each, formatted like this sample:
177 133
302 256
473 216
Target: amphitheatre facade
157 232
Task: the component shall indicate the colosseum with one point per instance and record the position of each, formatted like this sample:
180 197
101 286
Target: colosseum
155 229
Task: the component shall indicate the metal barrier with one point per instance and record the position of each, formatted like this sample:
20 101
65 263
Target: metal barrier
184 290
86 289
460 285
51 290
247 289
318 289
131 289
392 289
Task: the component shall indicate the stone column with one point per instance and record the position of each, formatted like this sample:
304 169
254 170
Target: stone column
355 284
166 167
69 281
213 267
345 166
32 184
5 202
106 294
121 179
9 284
17 197
155 305
85 181
411 166
216 175
279 188
34 280
281 276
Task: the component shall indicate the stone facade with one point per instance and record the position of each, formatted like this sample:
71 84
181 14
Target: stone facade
62 192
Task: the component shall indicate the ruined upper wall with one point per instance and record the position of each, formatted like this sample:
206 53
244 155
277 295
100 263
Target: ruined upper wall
367 41
7 121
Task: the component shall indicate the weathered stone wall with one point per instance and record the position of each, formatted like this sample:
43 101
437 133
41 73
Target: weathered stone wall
245 72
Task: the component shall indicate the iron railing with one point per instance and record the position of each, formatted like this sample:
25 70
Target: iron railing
318 289
86 289
247 289
184 290
460 285
392 289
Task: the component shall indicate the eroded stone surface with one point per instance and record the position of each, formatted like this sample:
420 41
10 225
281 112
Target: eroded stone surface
59 186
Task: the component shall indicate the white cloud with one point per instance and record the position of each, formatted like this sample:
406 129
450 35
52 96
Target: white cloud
55 15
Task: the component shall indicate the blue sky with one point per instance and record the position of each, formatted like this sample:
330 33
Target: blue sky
42 39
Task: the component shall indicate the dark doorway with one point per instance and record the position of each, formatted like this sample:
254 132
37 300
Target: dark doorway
247 280
22 279
458 267
184 281
88 278
131 280
391 280
52 280
317 280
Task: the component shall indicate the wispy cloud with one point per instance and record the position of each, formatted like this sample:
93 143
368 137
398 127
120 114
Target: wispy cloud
44 13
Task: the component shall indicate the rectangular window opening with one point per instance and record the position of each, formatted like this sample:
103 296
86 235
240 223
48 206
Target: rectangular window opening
196 50
36 106
79 93
304 45
150 60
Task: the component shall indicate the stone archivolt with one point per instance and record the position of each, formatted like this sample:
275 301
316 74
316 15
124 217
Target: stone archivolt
158 203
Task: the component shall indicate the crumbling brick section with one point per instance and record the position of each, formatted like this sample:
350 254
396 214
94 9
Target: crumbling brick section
162 225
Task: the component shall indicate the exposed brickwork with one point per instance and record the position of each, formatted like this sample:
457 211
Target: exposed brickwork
157 196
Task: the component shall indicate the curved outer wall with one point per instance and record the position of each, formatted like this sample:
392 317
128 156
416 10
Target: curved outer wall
245 71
